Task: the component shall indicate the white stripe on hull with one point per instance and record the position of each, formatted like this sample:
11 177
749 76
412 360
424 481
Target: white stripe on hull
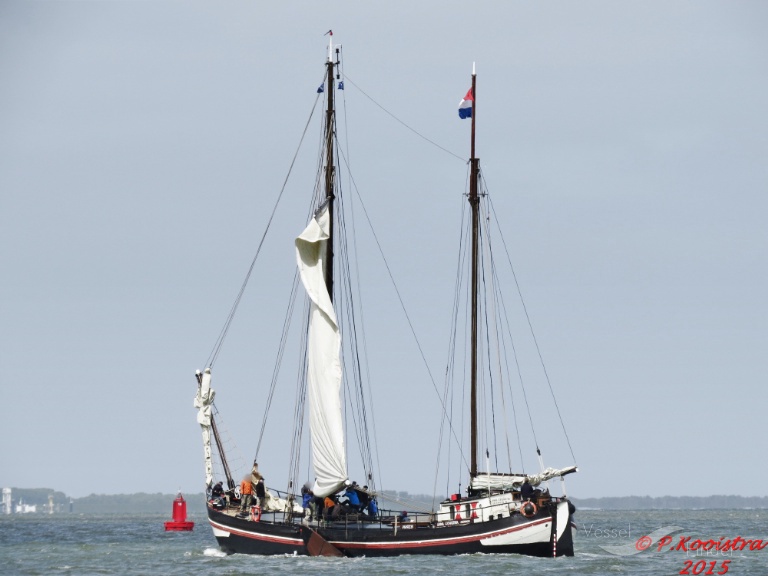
530 534
254 535
538 533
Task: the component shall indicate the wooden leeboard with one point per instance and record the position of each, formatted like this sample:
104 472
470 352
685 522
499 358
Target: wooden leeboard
319 546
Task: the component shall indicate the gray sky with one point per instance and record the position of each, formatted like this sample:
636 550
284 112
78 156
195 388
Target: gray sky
142 145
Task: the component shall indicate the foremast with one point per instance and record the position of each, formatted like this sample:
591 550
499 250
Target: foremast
330 169
474 201
314 257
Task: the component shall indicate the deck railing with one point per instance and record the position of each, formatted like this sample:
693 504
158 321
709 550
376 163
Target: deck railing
392 519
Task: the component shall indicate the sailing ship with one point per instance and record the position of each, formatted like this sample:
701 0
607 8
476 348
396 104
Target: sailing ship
499 511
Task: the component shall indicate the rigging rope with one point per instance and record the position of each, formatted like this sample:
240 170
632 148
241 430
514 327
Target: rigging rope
360 415
533 335
420 135
495 295
222 335
400 299
279 359
498 300
483 248
301 396
374 452
229 444
495 300
346 286
450 367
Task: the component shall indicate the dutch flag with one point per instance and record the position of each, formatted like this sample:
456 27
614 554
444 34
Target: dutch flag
465 106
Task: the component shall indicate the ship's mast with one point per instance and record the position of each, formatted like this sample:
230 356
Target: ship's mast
330 172
474 202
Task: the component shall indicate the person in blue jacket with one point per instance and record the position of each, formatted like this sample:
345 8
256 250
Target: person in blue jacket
373 509
306 502
352 498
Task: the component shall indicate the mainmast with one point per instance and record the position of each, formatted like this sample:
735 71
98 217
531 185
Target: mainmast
474 202
330 171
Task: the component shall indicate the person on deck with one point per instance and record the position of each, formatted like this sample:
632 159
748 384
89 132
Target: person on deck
307 499
316 506
255 474
246 493
217 496
373 509
353 499
364 496
261 492
526 490
332 508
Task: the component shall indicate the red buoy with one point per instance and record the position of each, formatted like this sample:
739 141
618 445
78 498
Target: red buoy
179 522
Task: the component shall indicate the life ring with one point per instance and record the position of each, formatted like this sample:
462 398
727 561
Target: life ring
528 509
256 513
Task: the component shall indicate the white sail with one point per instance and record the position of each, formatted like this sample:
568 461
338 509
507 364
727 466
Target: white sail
203 402
324 362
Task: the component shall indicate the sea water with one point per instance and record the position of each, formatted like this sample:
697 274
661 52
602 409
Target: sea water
606 543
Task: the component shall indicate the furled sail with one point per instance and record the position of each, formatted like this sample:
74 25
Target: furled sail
514 481
203 402
324 362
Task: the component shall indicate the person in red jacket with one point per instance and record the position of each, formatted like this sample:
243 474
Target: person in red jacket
246 493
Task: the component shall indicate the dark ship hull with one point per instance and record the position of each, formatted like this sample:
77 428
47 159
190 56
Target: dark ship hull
546 533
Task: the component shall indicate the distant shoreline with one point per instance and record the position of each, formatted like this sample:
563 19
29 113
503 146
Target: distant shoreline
158 503
715 502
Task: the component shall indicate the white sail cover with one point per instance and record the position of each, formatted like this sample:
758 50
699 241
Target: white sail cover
203 402
324 362
514 481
